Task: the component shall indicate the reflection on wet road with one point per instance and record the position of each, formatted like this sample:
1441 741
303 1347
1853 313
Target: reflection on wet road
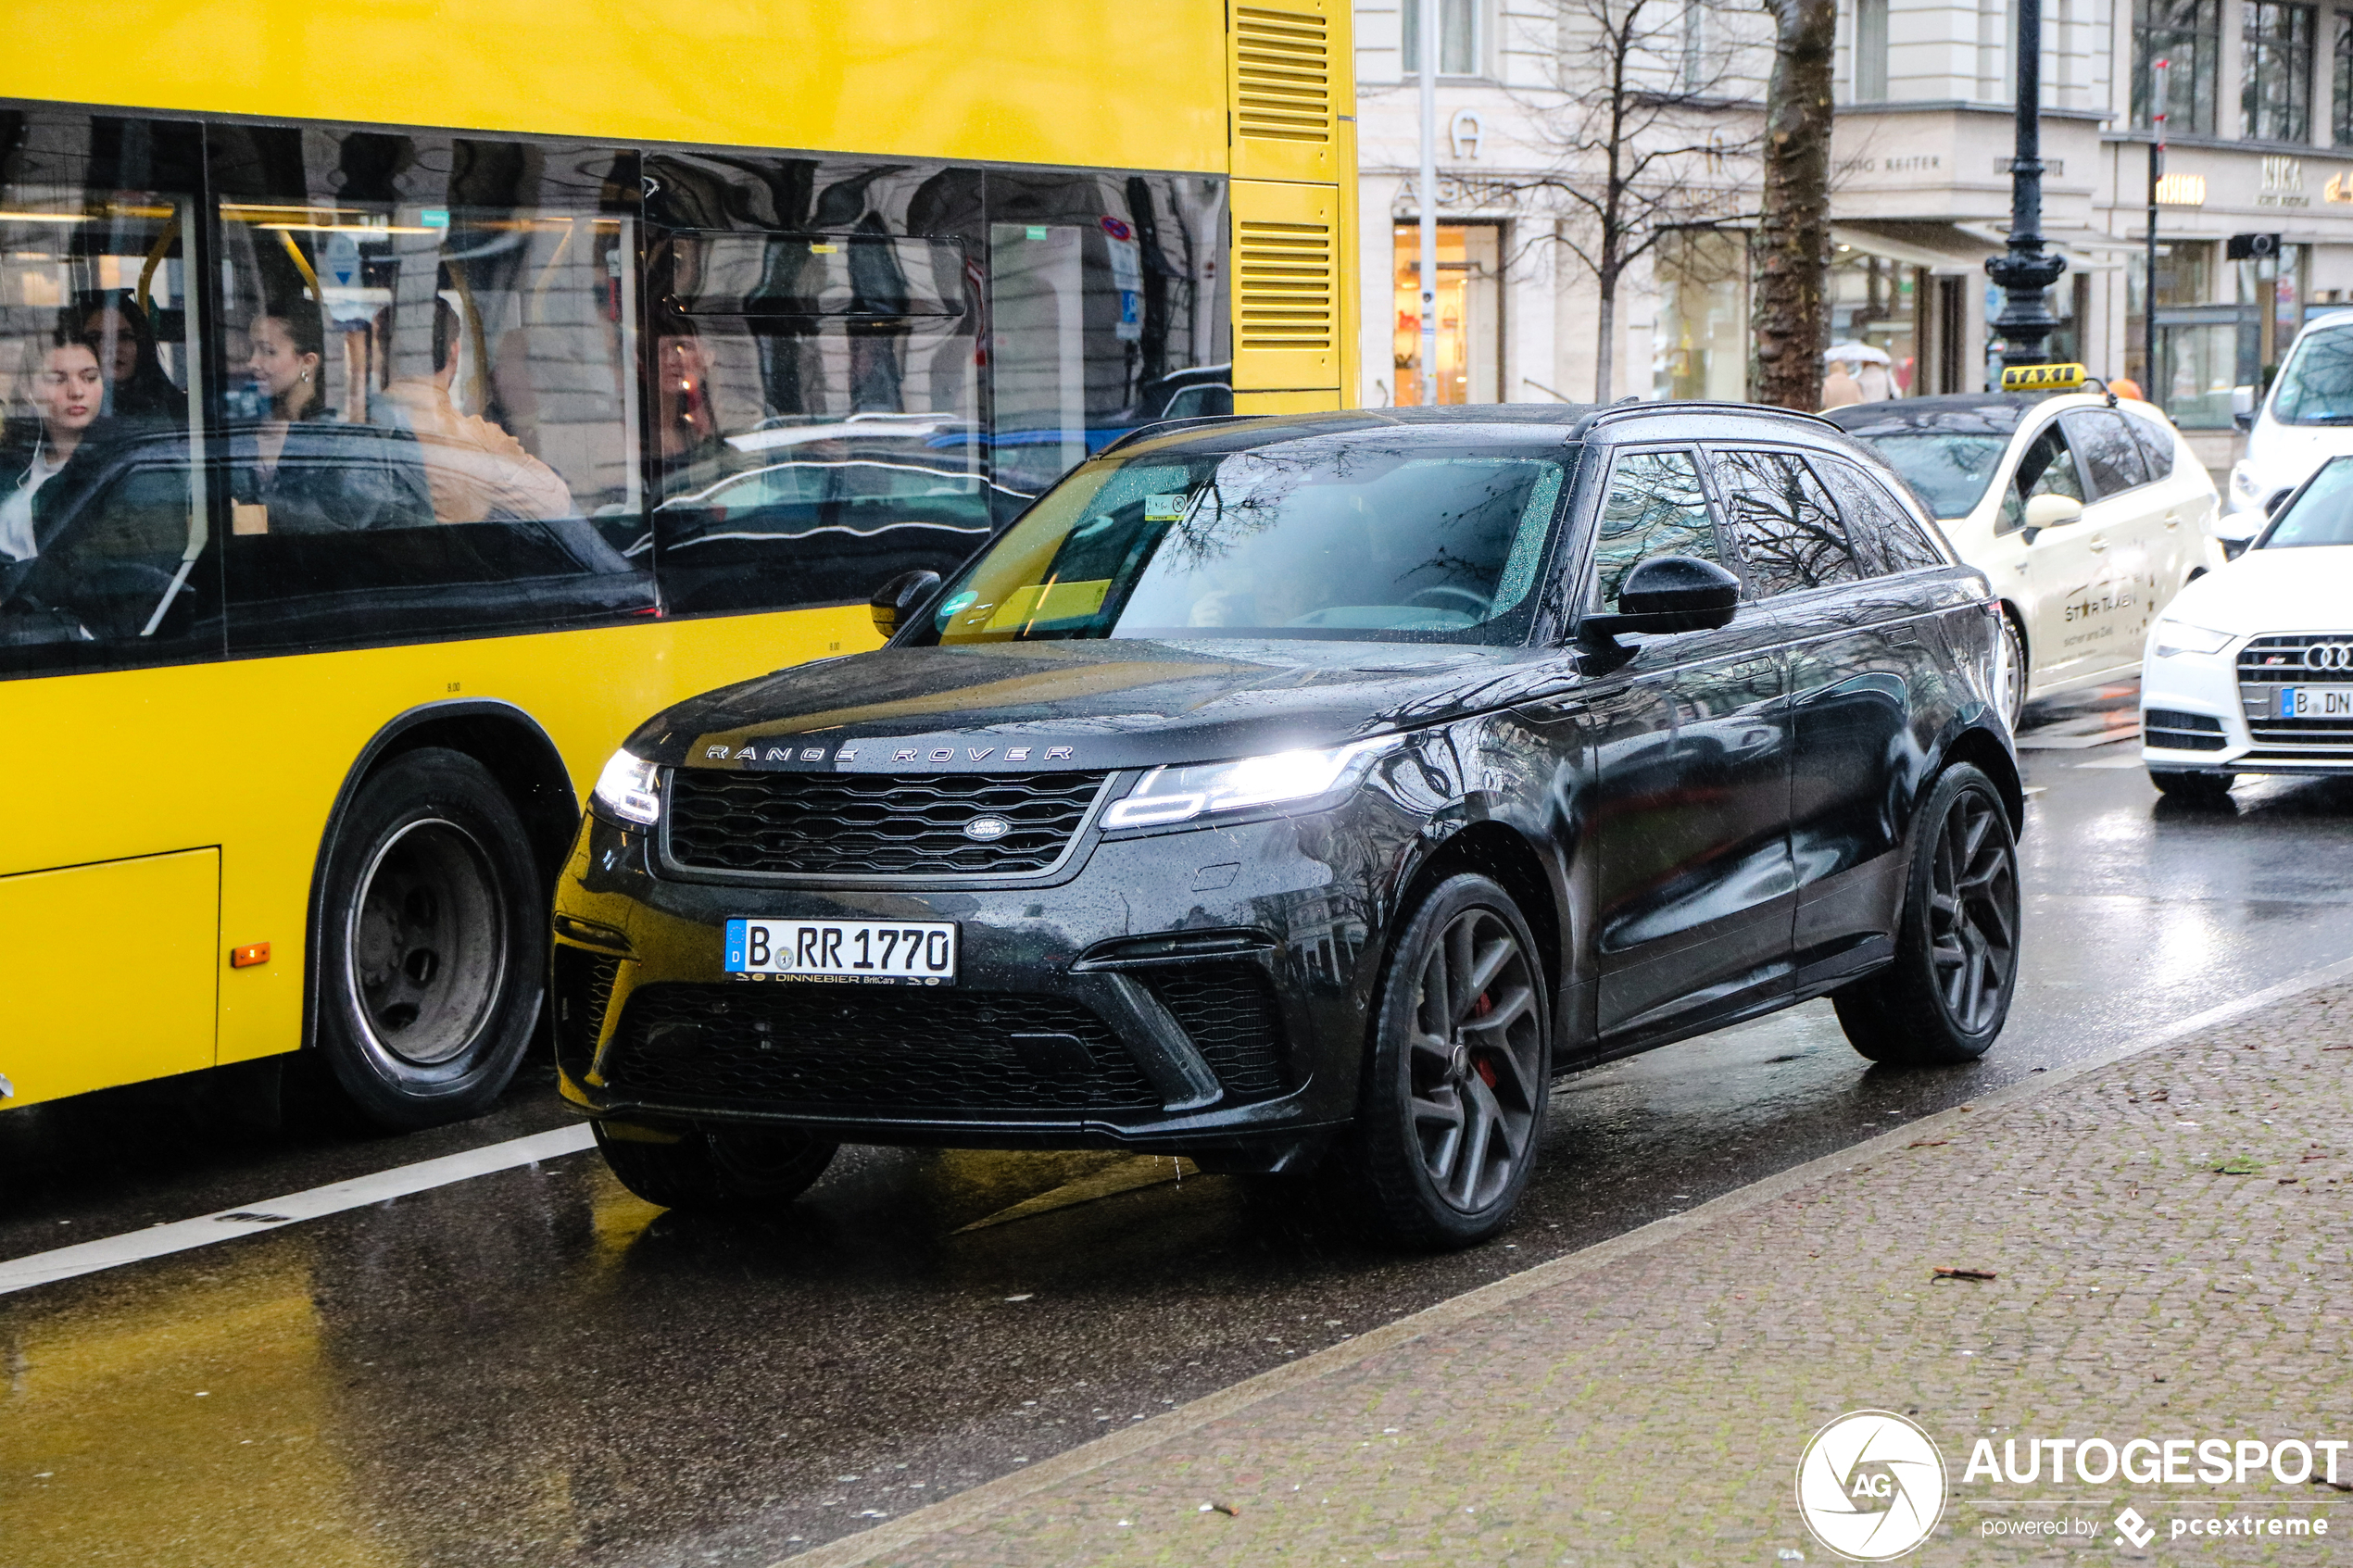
534 1367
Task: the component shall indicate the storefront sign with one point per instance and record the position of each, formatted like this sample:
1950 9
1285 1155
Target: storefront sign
2181 190
2338 189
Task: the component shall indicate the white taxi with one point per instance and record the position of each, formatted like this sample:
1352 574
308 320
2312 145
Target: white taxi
2250 670
2087 513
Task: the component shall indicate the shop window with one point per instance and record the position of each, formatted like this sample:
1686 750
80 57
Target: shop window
1470 339
1871 51
2275 95
432 418
106 553
2187 34
1700 345
2341 106
1874 316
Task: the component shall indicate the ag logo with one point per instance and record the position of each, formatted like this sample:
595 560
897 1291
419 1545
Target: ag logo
1871 1486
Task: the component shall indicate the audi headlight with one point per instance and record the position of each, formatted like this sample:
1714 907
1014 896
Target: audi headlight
2179 637
630 789
1178 794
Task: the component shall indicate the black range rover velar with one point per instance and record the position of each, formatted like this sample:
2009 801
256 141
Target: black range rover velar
1284 791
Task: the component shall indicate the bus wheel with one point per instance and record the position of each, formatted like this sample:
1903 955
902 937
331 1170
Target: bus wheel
431 942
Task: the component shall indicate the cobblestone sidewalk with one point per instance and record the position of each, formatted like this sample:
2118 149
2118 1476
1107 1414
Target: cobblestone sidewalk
2170 1241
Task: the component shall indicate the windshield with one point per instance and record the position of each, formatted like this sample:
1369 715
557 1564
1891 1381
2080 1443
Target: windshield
2323 515
1397 536
1949 471
2316 385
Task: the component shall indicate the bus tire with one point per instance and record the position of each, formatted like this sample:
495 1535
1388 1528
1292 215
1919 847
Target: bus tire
432 942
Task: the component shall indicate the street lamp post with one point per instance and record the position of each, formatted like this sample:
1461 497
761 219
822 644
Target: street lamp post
2025 270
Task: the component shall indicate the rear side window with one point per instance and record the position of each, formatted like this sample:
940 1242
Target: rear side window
2156 443
1784 526
1654 508
2047 468
1887 538
2108 449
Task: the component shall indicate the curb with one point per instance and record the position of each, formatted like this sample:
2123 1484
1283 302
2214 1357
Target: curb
972 1503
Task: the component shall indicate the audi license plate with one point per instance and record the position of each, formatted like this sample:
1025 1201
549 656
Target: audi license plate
844 952
2316 702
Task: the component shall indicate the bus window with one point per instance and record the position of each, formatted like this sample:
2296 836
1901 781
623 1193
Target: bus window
432 412
816 394
1104 314
105 557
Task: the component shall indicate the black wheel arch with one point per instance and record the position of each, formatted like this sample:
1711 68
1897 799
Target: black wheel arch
508 743
1984 749
1504 855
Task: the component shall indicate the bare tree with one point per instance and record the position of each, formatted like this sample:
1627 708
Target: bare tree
1793 252
1649 127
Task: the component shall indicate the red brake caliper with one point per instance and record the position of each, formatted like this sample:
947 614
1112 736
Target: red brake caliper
1485 1069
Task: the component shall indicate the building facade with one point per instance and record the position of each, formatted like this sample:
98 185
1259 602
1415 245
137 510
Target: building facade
2260 102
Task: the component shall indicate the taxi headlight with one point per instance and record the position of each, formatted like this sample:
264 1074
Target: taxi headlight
2179 637
2241 482
1178 794
630 789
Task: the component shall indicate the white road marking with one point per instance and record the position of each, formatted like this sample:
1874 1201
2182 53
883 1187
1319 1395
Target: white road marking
156 1241
2112 762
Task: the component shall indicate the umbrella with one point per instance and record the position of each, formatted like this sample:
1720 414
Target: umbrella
1858 354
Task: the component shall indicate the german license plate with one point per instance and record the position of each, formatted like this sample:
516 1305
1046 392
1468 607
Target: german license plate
844 952
2315 702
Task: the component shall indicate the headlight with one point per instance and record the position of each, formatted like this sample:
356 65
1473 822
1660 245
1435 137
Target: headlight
1178 795
2179 637
630 788
2241 482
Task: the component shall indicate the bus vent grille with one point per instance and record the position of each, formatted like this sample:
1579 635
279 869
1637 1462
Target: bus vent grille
1288 297
1283 63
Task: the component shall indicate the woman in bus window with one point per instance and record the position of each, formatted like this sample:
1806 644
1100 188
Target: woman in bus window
138 387
299 471
67 390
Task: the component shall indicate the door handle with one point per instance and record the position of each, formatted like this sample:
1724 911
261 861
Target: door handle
1902 636
2171 521
2095 545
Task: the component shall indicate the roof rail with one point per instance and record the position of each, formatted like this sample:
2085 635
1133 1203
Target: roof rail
1626 409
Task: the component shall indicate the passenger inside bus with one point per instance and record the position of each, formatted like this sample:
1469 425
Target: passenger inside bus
138 387
66 389
299 470
476 471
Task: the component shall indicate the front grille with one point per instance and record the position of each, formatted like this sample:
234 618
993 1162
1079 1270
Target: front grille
873 825
883 1049
582 986
2295 659
1228 1009
2176 730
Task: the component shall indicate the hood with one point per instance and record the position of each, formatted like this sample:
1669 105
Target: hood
2308 589
2281 457
1087 705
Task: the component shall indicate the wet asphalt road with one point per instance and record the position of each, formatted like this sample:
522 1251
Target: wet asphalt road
534 1367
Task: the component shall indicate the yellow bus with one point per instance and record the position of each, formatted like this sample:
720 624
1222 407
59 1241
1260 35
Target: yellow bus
403 401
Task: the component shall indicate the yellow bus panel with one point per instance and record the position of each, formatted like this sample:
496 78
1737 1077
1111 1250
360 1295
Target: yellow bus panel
1125 84
110 973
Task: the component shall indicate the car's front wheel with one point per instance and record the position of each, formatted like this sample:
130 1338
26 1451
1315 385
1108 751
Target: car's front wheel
1945 996
709 1171
1452 1103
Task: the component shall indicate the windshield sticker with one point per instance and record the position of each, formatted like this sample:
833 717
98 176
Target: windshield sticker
1164 509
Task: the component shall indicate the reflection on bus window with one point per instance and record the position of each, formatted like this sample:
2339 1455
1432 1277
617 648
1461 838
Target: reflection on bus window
103 544
432 408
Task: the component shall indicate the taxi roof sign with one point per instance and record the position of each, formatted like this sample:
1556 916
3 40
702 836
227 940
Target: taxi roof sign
2043 378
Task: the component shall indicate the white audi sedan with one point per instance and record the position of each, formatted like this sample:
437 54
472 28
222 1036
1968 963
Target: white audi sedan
2250 670
2087 515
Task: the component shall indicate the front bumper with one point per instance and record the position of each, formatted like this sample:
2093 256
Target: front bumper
2200 713
1202 991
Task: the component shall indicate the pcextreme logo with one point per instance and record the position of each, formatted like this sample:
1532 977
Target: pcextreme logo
1870 1485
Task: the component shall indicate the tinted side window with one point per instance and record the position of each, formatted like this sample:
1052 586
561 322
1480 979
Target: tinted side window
1654 507
2109 451
2047 467
2157 445
431 424
1888 539
1785 527
107 556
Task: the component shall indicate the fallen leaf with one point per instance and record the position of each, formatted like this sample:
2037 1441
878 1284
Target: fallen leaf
1929 1143
1943 1272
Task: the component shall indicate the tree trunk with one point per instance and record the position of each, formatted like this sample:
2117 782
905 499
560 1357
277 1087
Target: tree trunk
1605 347
1794 232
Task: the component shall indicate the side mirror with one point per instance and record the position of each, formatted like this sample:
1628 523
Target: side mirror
2278 499
2242 406
2052 511
1668 594
898 599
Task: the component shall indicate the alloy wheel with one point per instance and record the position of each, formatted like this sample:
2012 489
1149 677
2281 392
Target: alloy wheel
1474 1061
1972 911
